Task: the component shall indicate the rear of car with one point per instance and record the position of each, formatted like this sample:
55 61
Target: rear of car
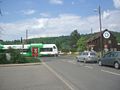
87 56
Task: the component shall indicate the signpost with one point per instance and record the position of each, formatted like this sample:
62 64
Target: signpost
35 52
106 34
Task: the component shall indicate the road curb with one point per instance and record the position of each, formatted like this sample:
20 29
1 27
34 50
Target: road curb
13 65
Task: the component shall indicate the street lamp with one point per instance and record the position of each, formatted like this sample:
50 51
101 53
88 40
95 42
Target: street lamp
100 24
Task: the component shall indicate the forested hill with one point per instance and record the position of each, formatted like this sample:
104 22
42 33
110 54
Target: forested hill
59 39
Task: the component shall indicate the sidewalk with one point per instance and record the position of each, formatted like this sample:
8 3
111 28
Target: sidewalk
25 64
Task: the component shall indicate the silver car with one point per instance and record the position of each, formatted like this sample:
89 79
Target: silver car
87 56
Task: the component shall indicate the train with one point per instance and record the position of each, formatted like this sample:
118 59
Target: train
33 49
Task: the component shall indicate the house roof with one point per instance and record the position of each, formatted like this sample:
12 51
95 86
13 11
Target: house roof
97 35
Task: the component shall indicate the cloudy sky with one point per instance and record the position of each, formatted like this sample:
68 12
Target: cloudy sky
43 18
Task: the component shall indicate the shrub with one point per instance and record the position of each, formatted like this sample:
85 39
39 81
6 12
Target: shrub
16 57
3 58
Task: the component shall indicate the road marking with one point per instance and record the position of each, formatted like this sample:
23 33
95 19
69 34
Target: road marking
56 74
73 62
110 72
89 67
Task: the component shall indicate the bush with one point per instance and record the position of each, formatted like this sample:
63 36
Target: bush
16 57
32 59
3 58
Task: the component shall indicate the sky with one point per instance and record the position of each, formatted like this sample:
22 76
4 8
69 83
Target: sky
51 18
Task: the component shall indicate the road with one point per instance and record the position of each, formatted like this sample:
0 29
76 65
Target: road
59 73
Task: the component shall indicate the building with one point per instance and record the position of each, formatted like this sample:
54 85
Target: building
104 41
118 47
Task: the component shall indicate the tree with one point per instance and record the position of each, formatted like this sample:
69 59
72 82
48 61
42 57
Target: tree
74 36
81 44
65 47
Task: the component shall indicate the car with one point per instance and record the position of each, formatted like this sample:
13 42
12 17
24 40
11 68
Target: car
110 59
87 56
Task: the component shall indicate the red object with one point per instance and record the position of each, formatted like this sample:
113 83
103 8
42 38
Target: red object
105 46
34 52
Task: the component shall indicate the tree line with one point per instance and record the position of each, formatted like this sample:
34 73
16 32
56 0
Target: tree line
74 42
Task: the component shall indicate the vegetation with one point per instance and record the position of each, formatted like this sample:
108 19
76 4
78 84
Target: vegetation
81 44
74 37
74 42
13 56
3 58
117 35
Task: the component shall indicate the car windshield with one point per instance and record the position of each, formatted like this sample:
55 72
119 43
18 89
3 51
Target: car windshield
85 53
92 54
117 54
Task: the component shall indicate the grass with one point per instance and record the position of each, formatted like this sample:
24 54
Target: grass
31 60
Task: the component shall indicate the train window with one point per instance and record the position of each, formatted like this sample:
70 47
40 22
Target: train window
54 47
46 49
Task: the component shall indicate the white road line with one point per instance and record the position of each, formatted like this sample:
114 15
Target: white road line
73 62
81 64
110 72
56 74
89 67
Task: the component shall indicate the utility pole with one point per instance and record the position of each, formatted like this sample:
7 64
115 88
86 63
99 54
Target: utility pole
100 23
91 47
26 36
0 9
0 15
22 41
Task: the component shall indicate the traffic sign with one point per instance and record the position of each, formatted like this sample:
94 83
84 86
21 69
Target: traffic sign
106 34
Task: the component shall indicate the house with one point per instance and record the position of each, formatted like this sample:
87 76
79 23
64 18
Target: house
104 41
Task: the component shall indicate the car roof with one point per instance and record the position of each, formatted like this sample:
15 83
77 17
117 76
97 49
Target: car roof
115 51
90 51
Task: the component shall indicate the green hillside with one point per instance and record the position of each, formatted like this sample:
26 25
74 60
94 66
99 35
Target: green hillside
64 43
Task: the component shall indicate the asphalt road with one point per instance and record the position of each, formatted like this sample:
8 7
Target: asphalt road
59 73
82 76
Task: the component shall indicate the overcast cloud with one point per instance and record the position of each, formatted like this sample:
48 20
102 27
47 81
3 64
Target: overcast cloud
117 3
56 1
63 24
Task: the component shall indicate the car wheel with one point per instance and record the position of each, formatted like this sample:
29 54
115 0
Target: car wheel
85 61
100 63
116 65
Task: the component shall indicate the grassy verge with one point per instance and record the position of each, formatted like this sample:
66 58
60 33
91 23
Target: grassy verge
13 56
17 59
31 60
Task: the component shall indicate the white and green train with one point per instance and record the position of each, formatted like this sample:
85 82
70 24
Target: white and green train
28 49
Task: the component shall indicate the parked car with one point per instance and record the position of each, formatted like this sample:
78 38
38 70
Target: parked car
87 56
111 59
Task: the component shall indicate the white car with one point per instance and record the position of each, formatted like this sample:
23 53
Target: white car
87 56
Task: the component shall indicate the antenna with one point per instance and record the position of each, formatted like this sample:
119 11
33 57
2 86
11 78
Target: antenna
91 31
